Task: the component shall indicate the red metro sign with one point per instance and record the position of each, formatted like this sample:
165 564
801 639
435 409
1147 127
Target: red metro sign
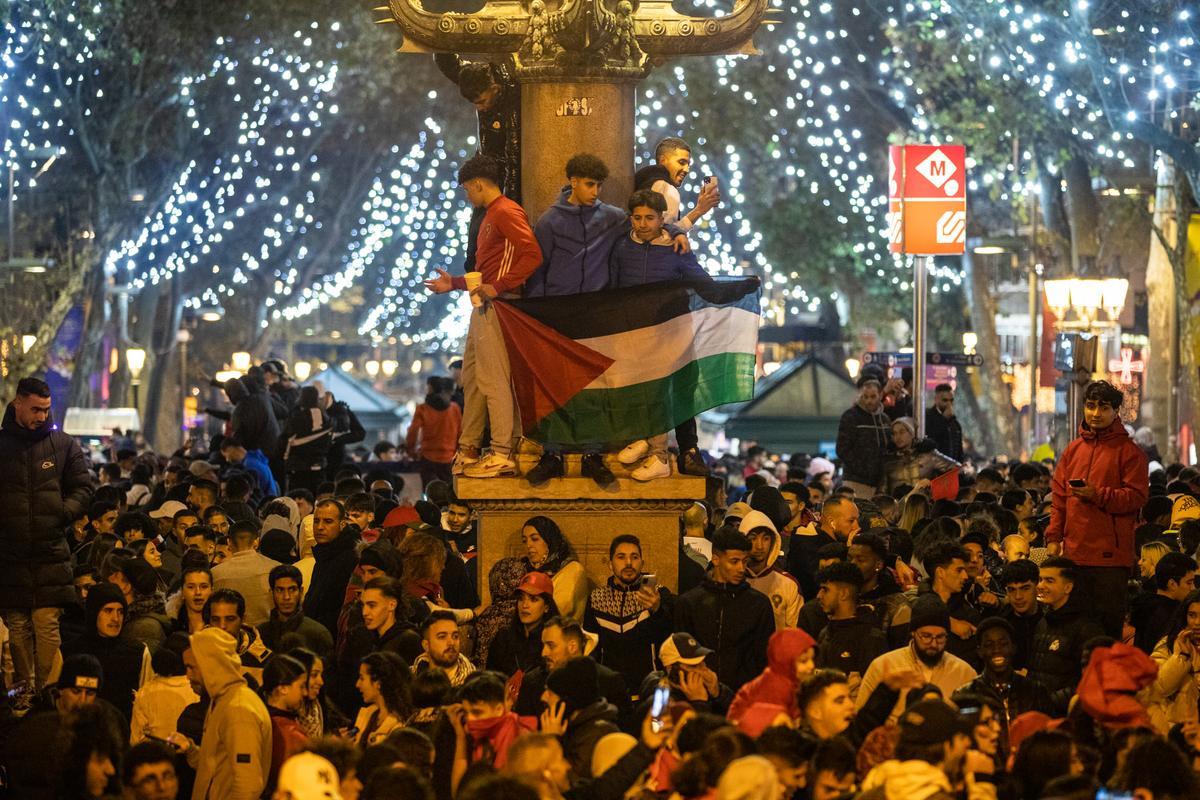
927 199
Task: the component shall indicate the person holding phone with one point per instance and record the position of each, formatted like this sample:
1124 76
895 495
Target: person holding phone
1099 486
630 613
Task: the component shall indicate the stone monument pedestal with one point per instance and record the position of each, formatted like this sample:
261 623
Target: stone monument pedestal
588 516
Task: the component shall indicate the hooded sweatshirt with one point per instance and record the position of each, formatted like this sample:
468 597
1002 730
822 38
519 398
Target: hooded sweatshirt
780 588
777 684
907 780
126 664
234 758
1099 532
576 242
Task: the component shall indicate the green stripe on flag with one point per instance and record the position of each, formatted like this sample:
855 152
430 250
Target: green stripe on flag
612 417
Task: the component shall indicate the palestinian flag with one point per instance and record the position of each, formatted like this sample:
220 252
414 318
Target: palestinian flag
606 368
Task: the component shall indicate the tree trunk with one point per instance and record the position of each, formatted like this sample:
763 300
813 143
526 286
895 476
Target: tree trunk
996 415
1160 378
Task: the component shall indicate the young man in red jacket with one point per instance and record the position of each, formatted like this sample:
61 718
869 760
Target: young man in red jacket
1099 485
506 254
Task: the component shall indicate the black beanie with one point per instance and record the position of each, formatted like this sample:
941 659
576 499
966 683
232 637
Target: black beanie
929 610
381 555
100 595
81 671
576 683
430 514
141 576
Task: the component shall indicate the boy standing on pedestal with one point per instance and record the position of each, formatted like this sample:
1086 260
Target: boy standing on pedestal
506 255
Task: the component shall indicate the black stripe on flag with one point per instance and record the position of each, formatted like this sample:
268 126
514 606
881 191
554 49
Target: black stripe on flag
603 313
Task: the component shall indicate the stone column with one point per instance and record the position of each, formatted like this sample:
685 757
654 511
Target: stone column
560 118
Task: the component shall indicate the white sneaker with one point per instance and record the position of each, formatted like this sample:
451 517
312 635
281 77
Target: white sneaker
461 462
492 466
652 468
634 452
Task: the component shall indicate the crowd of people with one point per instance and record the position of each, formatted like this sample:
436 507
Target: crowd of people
171 632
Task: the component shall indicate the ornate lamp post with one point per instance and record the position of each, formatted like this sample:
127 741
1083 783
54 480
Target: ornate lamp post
577 63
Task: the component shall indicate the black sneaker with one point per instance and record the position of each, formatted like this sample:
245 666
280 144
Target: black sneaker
692 463
550 465
594 467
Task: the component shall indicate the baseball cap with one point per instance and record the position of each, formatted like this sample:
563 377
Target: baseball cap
536 583
168 510
738 509
682 648
931 722
200 468
308 776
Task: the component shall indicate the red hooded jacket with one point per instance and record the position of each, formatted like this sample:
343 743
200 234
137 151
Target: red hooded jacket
777 683
1099 532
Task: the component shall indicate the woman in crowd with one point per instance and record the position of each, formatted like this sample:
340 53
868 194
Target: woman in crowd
519 646
196 584
317 715
424 558
1174 694
383 683
1151 554
913 509
549 552
284 690
911 460
503 579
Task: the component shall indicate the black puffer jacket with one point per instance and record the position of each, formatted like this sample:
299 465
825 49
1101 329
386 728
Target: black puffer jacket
733 619
44 484
862 442
1055 657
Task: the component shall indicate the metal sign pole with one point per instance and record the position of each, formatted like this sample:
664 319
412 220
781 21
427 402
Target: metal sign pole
920 278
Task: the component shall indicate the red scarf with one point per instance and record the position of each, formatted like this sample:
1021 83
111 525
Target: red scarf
497 733
425 589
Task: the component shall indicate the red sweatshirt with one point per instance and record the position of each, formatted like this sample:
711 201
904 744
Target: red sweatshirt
436 431
505 252
1099 533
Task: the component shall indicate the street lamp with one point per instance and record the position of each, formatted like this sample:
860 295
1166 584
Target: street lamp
853 365
969 339
372 368
135 357
390 365
241 361
1087 297
302 369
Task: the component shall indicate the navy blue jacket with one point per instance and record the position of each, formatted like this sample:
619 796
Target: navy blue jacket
576 242
634 263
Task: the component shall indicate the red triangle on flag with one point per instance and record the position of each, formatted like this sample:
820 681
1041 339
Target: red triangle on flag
548 369
945 486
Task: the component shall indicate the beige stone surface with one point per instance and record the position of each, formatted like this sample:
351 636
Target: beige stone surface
588 516
560 119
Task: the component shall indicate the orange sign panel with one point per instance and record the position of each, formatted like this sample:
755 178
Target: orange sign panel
927 202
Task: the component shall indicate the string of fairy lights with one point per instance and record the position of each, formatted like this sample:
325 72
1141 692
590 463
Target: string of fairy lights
244 207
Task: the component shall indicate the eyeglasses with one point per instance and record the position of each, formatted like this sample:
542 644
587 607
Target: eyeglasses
931 638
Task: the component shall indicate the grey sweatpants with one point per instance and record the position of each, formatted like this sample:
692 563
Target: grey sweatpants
487 386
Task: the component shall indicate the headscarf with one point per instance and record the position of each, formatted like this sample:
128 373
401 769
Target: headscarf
503 579
559 549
